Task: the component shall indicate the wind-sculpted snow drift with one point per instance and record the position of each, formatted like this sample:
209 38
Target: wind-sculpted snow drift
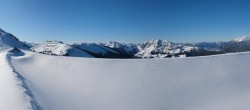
14 93
202 83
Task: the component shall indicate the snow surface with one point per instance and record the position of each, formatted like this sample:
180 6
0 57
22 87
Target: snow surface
11 94
68 83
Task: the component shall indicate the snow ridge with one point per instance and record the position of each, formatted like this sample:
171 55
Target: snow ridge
59 48
27 92
241 39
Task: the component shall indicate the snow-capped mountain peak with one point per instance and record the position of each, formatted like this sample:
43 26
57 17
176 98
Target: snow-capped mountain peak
8 40
241 39
154 48
124 48
114 44
156 43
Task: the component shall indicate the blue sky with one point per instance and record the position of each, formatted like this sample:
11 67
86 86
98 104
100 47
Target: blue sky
125 20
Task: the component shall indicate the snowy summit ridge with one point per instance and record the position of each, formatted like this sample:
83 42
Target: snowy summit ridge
59 48
155 48
8 40
241 39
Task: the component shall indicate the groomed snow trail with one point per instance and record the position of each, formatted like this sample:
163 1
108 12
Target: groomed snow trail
14 92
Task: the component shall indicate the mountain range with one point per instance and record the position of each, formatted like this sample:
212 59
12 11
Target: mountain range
155 48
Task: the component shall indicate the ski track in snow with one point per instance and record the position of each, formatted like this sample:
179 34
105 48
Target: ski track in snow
21 83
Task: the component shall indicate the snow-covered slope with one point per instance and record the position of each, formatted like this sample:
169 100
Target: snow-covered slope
203 83
30 45
155 48
59 48
161 49
128 50
14 93
98 50
8 40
